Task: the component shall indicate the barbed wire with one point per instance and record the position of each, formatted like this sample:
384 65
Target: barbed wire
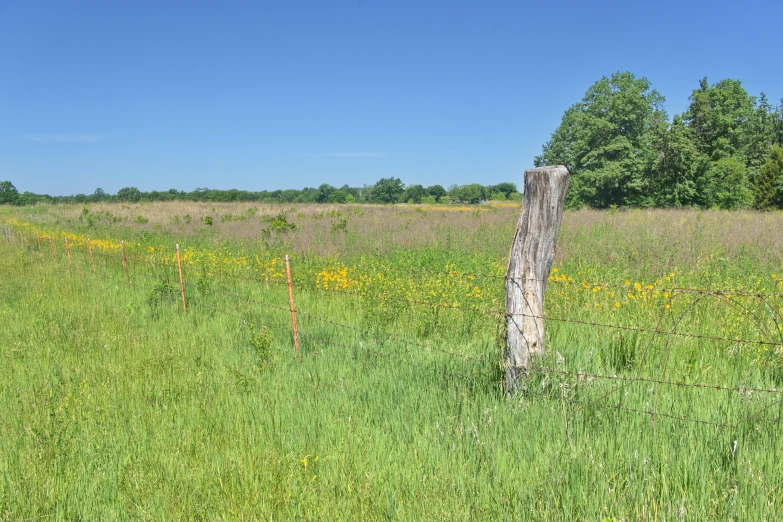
646 330
321 318
246 278
551 279
407 342
756 414
408 301
656 381
669 416
497 313
363 348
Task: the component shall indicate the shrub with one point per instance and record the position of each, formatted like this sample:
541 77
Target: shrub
341 225
261 341
280 223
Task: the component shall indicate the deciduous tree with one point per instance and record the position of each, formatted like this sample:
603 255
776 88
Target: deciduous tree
8 193
604 140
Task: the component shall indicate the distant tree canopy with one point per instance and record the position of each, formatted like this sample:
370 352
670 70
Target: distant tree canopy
724 151
384 191
621 148
8 193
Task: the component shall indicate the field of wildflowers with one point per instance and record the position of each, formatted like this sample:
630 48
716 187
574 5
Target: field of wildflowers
117 405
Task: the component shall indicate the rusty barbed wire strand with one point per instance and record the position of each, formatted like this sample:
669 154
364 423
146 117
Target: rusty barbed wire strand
557 319
428 304
198 306
490 312
674 289
587 284
689 419
354 328
759 412
655 381
579 374
247 278
647 330
669 416
583 282
361 347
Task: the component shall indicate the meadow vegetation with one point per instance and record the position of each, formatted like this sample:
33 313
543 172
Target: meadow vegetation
117 405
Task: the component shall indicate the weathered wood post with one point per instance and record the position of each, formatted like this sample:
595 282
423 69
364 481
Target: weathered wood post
529 263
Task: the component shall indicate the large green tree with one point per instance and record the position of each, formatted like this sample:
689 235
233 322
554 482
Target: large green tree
8 193
436 191
387 190
768 183
761 132
674 179
719 116
604 140
472 193
413 194
133 195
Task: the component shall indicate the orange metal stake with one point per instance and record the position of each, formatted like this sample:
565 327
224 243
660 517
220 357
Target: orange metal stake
293 308
68 249
92 258
51 244
181 281
125 262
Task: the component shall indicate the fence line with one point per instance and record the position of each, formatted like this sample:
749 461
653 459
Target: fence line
627 286
327 341
323 319
29 247
741 389
648 330
588 284
501 314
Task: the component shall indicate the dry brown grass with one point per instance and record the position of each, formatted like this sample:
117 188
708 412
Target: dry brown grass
656 238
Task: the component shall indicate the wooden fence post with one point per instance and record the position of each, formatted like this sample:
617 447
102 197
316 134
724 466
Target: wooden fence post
529 263
51 245
291 302
181 281
68 249
92 257
125 262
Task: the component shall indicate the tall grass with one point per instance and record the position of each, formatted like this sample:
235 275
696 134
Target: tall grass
116 405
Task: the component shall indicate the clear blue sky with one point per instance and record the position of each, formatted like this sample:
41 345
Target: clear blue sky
287 94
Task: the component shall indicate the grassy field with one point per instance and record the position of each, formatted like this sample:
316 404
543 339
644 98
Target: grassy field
117 405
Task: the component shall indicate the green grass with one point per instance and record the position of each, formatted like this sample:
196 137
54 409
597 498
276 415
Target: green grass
116 405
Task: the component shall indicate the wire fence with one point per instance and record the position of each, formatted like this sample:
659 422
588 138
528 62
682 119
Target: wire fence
644 391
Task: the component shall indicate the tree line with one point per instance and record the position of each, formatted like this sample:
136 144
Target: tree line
724 151
385 190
